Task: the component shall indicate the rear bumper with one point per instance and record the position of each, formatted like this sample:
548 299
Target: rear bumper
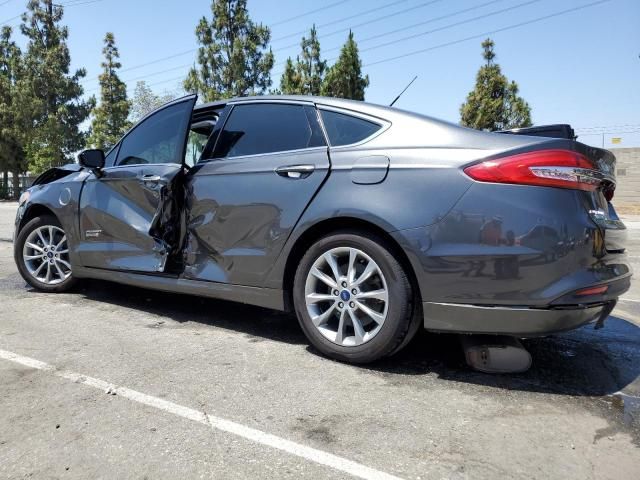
515 321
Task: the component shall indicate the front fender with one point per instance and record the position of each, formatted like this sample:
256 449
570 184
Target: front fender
61 198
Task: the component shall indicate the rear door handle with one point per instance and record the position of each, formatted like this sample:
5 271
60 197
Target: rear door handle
295 171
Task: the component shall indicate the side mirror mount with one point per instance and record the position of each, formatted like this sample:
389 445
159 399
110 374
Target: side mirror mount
93 159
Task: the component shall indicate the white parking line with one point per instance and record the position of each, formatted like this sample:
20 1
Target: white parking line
308 453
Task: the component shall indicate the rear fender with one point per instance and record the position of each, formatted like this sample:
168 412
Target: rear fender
510 245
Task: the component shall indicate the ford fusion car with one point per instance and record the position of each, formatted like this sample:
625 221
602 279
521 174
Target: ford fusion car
368 222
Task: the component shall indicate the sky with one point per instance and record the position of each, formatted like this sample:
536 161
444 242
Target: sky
575 61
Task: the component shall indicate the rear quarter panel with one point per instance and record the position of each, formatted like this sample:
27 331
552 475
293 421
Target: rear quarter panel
511 245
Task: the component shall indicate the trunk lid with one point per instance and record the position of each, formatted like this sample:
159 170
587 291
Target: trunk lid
612 231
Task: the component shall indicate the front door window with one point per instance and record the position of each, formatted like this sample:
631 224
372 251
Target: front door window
158 139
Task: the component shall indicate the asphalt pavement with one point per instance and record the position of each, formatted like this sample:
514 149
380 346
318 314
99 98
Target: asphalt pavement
111 381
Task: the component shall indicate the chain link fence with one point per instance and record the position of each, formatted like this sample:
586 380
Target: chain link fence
6 187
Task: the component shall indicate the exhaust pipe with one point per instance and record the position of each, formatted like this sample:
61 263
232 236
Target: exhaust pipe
495 354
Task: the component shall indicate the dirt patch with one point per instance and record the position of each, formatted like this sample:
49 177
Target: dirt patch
627 208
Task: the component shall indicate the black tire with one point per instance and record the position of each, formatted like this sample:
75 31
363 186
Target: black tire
397 325
33 224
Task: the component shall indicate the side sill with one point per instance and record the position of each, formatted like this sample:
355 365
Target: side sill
261 297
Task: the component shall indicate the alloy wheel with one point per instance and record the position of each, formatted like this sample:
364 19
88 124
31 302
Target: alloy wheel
346 296
46 255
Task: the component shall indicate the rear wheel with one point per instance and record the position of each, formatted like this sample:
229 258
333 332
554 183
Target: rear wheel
42 255
352 297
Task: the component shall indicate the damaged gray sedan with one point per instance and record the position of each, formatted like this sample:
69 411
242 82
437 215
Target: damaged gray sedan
369 222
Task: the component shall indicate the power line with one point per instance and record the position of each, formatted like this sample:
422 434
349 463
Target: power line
296 17
175 79
142 77
491 32
322 36
10 20
152 62
344 19
70 3
368 22
613 132
4 3
445 27
419 24
424 50
75 3
451 25
608 127
192 50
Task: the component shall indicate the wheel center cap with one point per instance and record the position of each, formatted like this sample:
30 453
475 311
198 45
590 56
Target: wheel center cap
50 255
345 295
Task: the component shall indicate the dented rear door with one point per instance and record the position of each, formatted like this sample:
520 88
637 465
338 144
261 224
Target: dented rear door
269 161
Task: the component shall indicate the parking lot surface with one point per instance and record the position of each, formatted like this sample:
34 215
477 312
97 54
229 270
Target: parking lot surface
120 382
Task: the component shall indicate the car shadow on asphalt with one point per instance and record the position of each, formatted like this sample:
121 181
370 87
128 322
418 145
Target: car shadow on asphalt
584 362
260 323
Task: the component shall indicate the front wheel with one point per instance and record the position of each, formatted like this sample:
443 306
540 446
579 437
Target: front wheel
42 255
352 297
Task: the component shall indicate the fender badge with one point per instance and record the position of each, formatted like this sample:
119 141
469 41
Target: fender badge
92 233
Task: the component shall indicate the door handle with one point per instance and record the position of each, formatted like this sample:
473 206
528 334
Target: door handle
151 178
295 171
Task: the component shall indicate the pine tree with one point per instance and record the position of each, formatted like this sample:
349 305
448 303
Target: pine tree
494 103
56 126
145 101
110 118
17 107
291 82
344 79
232 57
305 77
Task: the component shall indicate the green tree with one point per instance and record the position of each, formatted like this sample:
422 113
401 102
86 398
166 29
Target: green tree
145 101
290 82
232 57
305 77
110 118
17 107
344 79
56 133
494 103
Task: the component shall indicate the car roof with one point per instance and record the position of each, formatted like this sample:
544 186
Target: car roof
293 98
443 134
354 105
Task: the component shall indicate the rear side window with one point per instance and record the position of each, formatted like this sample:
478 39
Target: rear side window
267 128
344 129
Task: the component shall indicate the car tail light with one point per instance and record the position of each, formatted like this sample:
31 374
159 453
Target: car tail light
548 168
592 291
